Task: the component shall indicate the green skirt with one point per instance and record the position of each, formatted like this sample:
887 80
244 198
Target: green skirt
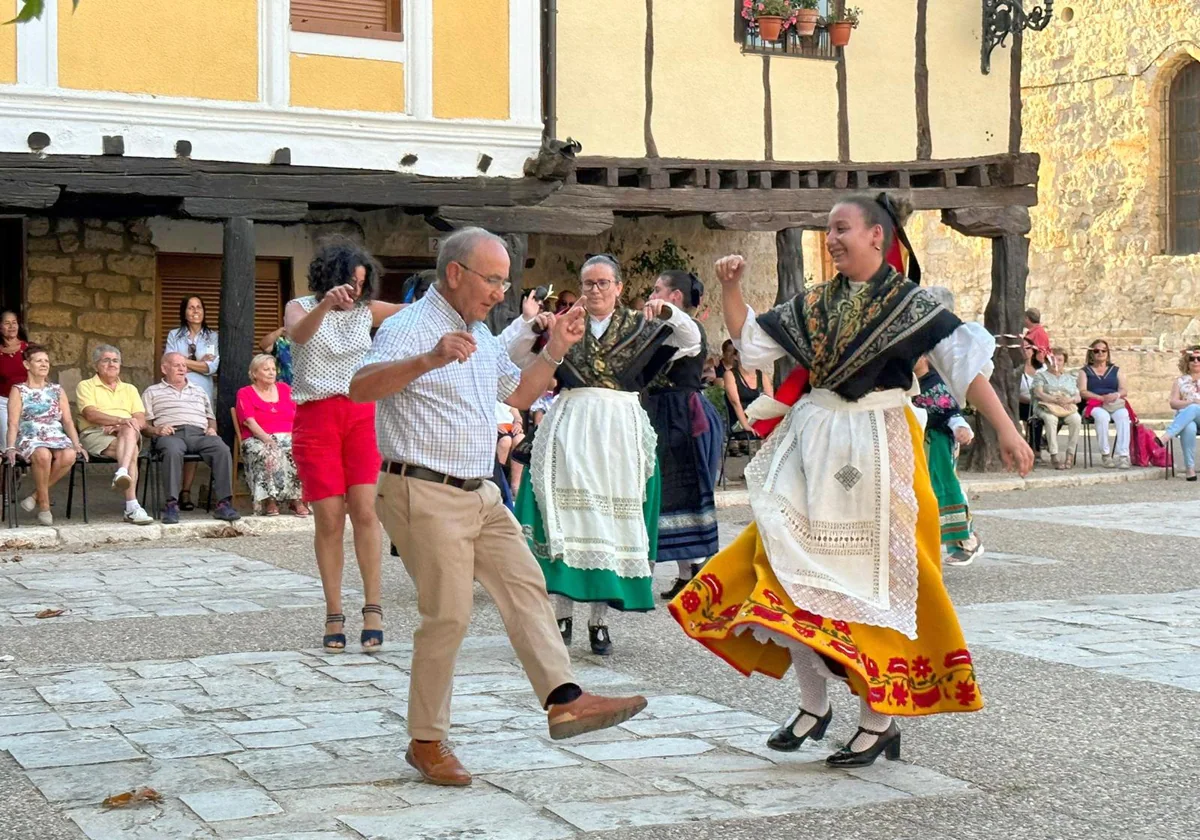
952 502
586 585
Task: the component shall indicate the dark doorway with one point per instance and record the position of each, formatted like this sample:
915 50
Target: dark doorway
12 265
397 271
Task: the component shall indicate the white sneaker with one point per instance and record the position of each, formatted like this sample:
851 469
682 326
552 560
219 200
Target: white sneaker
138 516
45 517
121 480
1107 461
29 503
1123 463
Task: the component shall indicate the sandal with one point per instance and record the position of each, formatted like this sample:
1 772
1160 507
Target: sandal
270 508
334 642
185 500
371 640
300 509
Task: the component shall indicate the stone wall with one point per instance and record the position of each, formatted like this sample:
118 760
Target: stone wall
91 282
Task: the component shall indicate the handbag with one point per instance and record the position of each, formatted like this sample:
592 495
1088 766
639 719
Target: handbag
1059 411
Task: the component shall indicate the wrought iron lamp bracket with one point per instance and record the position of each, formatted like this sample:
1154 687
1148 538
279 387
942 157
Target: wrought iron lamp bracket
1002 18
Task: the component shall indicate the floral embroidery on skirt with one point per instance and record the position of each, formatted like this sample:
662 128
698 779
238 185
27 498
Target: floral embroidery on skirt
271 472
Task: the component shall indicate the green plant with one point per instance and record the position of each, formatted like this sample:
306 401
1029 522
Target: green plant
851 16
649 263
806 4
752 10
31 9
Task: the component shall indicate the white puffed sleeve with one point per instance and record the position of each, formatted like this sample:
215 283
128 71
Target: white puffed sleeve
961 356
685 334
518 338
758 350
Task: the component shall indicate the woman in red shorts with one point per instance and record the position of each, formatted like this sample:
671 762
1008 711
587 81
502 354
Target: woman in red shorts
333 439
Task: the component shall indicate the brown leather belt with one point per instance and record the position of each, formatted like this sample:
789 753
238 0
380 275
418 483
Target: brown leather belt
423 474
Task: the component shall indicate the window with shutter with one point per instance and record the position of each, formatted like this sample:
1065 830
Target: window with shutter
185 275
360 18
1183 174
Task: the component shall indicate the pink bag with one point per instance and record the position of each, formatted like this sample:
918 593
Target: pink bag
1147 449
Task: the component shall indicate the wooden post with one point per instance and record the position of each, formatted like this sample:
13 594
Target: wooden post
236 328
789 264
508 309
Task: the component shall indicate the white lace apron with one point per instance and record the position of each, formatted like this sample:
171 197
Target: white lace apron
592 456
832 492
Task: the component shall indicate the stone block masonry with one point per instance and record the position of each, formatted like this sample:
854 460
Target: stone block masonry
92 282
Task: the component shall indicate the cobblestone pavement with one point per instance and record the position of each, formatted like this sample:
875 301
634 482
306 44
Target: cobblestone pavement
189 668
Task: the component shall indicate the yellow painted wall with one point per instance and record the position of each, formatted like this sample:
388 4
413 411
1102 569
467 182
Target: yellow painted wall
470 59
708 97
968 111
880 87
8 43
804 109
601 76
195 48
346 84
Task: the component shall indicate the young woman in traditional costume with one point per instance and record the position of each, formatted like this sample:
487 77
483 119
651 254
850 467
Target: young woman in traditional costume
839 573
690 437
592 516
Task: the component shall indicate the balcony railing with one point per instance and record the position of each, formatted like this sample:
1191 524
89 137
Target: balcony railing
790 44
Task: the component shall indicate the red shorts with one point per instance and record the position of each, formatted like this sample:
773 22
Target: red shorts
333 443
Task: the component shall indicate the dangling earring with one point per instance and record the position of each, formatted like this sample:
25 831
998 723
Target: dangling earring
878 248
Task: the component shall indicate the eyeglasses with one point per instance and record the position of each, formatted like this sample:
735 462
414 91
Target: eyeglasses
499 282
1103 350
601 285
108 360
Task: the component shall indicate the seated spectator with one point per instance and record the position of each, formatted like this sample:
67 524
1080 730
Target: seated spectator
1056 400
1025 397
265 412
111 419
279 345
1036 335
180 422
1102 385
728 351
740 393
709 375
510 432
41 431
542 404
1185 399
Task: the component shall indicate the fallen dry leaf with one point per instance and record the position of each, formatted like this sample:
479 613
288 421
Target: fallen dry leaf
49 613
132 797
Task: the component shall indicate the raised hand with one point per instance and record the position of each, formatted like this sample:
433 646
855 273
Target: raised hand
731 269
340 297
654 309
530 307
566 331
454 347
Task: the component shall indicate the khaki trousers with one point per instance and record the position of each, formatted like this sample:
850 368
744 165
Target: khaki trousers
449 538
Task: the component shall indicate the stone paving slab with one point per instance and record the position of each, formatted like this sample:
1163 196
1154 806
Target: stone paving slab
1178 519
148 583
279 763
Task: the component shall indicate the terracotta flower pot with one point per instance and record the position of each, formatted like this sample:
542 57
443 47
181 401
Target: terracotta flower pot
806 21
839 33
770 27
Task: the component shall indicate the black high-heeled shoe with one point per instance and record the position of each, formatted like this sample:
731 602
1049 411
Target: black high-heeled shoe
334 642
374 637
887 742
785 739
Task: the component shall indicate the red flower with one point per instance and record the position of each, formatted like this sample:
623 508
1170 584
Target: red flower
876 694
964 693
957 657
844 649
732 612
714 587
927 699
920 668
806 632
690 601
764 613
708 626
897 665
870 665
900 694
772 597
841 627
810 617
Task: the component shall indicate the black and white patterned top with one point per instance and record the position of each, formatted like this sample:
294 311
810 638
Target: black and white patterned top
324 365
445 420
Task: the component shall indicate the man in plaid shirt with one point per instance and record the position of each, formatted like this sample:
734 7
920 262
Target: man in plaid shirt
437 373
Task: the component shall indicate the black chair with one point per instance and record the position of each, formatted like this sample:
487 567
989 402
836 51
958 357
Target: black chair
11 480
1169 466
81 467
1034 429
1087 439
153 488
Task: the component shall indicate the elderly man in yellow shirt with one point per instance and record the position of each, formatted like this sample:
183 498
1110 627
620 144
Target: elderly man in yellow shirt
111 419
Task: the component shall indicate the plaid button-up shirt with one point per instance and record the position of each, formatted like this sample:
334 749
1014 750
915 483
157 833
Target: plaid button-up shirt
445 420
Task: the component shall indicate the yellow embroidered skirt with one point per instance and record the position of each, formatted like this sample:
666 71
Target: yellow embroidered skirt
737 595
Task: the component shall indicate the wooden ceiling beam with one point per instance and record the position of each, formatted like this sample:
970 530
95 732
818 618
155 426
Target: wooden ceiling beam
562 221
766 221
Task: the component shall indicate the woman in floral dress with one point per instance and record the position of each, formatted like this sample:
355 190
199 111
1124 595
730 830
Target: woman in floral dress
41 431
265 412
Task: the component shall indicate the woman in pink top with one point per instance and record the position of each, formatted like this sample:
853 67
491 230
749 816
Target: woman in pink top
265 412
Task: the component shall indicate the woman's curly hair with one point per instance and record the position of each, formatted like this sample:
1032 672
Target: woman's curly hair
334 264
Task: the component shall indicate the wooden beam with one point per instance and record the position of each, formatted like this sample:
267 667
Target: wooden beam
990 222
235 332
766 221
921 75
21 195
262 211
690 200
648 121
574 221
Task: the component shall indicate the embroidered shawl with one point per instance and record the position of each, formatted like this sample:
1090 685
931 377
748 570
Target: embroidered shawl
630 352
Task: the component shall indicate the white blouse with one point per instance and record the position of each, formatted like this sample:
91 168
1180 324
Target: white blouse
324 365
959 357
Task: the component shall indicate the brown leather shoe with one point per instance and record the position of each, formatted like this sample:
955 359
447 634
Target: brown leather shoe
436 763
590 712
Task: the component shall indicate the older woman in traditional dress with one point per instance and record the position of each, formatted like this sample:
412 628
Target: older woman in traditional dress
838 575
690 437
592 516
